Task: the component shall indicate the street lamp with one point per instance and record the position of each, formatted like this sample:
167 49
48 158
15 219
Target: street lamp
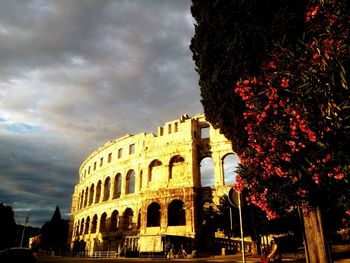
235 200
24 228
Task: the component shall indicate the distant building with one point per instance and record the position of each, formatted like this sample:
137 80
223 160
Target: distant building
35 242
142 192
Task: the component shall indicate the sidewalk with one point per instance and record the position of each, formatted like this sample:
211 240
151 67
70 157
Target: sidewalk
249 258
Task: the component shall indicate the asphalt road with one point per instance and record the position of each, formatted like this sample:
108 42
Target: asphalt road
218 259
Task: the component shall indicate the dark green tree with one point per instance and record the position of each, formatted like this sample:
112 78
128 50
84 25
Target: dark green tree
54 233
7 227
231 39
256 224
290 124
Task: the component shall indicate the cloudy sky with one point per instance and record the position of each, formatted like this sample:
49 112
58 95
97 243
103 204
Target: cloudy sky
76 74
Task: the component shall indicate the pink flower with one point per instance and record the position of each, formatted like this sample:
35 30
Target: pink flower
312 137
316 56
301 192
339 176
284 83
316 178
272 64
314 11
286 157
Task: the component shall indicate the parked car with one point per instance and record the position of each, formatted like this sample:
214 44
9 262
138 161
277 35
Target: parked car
17 254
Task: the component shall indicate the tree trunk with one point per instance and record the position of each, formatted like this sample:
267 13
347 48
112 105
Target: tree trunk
316 245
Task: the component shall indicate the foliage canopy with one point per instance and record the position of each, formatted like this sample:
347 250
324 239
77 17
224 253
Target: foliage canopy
274 78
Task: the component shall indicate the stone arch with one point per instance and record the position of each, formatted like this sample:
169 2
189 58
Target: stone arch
154 169
87 225
127 218
86 196
229 166
176 213
103 223
94 224
175 166
82 223
91 194
130 182
81 201
153 215
207 174
117 185
76 228
98 192
106 189
114 220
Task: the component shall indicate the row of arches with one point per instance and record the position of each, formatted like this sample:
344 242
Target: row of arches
111 188
92 195
116 222
229 165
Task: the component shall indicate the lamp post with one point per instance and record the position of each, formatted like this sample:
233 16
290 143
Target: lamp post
235 200
24 228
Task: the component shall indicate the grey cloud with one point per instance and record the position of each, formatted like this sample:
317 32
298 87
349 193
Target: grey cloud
84 73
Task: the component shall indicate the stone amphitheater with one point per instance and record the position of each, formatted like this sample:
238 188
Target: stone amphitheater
141 193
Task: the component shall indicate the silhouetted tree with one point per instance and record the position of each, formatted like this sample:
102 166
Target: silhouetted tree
274 77
54 233
7 227
256 224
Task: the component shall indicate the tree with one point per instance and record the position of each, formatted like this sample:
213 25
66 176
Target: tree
7 226
256 224
54 233
294 107
230 41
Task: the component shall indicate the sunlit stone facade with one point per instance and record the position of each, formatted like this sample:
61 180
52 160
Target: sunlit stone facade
138 188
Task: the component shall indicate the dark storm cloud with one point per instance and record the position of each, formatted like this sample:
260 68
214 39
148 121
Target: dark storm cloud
76 74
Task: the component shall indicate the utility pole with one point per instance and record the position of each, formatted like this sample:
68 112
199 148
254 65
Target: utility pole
24 228
235 200
241 226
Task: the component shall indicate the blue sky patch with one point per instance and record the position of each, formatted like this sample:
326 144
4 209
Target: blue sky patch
22 128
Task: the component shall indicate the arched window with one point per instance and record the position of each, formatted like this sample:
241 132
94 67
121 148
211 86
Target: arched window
94 224
106 189
87 225
127 218
76 229
98 192
207 172
81 227
130 182
230 165
153 215
114 221
86 196
91 195
154 169
103 223
176 213
117 185
82 199
175 166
